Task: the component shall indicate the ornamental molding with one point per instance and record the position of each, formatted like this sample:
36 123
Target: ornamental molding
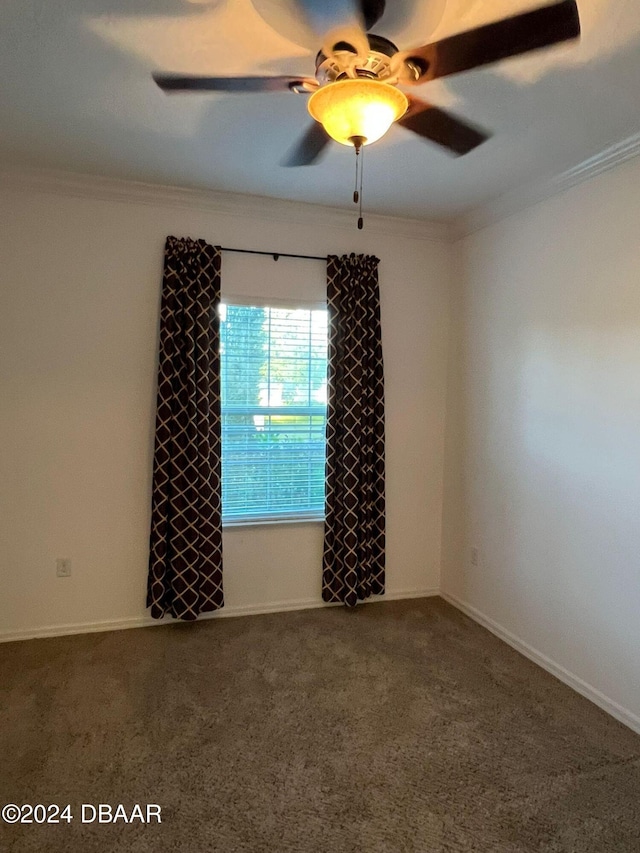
77 185
527 195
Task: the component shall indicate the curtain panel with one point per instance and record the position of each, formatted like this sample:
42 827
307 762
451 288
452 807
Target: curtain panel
185 563
354 533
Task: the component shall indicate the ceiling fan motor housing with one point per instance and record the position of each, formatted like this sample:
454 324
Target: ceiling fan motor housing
344 61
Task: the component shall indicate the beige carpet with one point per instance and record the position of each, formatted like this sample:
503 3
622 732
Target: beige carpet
402 726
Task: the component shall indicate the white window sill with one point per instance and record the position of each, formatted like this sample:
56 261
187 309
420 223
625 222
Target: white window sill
266 522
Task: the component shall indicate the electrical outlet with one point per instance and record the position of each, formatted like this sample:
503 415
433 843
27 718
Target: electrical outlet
475 556
63 567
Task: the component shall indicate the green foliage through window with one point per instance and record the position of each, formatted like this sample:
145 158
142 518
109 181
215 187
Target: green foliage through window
274 390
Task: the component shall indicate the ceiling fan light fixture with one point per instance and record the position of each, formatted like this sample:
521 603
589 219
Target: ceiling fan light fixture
359 108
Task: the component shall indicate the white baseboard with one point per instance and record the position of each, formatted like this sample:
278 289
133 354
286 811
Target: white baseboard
13 635
578 684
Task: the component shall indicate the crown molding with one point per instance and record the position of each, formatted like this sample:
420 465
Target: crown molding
80 185
535 192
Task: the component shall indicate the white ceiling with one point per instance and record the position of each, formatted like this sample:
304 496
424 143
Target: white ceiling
76 94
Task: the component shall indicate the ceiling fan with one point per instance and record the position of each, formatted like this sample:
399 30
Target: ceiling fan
355 96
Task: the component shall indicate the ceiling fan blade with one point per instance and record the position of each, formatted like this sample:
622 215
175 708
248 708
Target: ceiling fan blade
335 13
493 42
309 148
371 11
441 127
170 83
325 15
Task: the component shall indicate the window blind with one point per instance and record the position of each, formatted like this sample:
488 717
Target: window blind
274 391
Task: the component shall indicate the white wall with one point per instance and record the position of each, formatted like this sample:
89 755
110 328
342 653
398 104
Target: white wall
81 273
543 434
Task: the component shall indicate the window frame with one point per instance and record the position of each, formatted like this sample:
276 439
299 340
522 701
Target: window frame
303 517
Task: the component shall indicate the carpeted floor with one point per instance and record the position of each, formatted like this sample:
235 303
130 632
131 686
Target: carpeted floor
401 726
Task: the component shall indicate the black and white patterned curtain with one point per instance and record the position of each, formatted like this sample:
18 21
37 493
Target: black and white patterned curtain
354 533
185 563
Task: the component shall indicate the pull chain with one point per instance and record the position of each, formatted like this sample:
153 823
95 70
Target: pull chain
358 143
360 219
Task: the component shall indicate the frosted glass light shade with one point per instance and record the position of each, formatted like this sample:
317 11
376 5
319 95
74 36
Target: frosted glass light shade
359 107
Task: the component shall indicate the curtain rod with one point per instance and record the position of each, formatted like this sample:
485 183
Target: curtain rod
274 255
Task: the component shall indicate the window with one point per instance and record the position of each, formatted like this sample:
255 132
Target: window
274 393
